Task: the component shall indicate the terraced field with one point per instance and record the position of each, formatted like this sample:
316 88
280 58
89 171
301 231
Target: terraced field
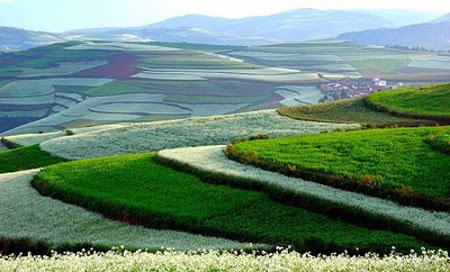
428 105
48 84
360 191
350 112
350 59
155 196
431 102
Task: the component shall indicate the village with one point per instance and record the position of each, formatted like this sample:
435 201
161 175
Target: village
349 88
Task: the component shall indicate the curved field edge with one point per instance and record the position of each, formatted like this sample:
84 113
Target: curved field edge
132 188
360 161
429 102
212 165
440 142
148 137
37 224
350 112
26 158
216 261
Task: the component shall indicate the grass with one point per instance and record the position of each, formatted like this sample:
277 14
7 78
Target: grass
25 158
389 163
381 65
440 142
135 189
431 102
350 112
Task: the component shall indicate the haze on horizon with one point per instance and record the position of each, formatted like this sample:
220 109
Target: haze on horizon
57 15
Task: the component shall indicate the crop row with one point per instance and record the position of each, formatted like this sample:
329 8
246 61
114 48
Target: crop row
133 188
212 164
31 221
147 137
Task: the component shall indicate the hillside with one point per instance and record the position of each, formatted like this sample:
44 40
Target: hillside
430 36
79 84
295 25
445 18
428 105
373 184
20 39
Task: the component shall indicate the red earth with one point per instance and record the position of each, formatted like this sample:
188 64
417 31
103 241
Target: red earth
7 60
120 66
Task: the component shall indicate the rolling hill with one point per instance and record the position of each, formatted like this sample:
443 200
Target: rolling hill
12 39
128 196
295 25
434 36
78 84
445 18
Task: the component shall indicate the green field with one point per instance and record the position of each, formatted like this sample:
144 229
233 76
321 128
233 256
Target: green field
115 88
440 142
216 99
396 160
432 102
134 189
25 158
350 112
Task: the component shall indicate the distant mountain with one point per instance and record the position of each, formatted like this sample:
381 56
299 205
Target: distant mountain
20 39
445 18
296 25
291 26
434 36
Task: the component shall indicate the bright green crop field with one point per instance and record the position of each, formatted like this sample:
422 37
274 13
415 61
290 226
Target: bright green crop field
426 102
25 158
350 112
440 142
400 156
157 196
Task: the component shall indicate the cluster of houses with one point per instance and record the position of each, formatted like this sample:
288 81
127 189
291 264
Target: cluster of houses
348 88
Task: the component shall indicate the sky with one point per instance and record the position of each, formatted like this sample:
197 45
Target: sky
63 15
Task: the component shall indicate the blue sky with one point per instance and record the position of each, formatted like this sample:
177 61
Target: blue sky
61 15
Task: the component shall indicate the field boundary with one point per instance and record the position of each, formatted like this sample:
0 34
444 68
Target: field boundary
367 185
282 194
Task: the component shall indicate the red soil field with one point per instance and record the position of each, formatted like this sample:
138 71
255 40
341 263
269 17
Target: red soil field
7 60
120 66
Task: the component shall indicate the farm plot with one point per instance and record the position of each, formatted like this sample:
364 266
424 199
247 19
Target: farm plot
387 163
190 60
27 88
62 225
139 108
156 196
350 112
287 57
146 137
24 113
430 61
119 66
125 107
299 95
62 68
211 99
430 102
131 47
210 161
275 75
25 158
